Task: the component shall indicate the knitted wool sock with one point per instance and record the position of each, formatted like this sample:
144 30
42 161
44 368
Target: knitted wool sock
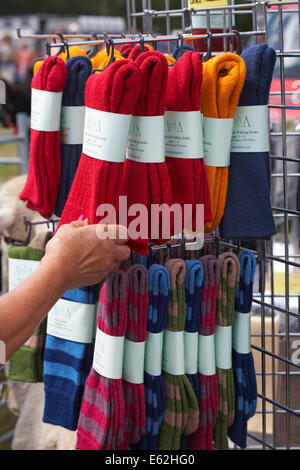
154 182
66 367
101 59
159 295
243 364
177 51
42 184
229 280
182 412
188 175
135 413
73 51
102 416
136 51
96 181
193 288
202 439
248 212
78 70
26 365
220 95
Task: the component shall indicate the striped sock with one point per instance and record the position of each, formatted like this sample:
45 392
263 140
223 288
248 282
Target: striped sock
135 413
159 294
26 365
182 411
66 367
229 280
102 414
202 439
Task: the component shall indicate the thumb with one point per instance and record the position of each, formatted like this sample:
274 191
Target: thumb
79 223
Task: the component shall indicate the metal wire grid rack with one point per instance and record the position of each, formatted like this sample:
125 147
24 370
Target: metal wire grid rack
276 307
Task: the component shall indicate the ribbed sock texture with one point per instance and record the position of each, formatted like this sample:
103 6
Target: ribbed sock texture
96 181
26 364
229 279
153 184
248 212
219 98
102 415
79 69
188 175
43 178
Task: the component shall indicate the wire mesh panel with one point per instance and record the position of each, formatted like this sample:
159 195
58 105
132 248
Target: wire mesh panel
275 314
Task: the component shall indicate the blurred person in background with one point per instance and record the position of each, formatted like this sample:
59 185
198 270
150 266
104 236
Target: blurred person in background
24 63
8 57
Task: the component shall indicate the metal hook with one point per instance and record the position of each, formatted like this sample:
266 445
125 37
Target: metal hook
239 49
110 46
209 41
66 45
142 42
94 50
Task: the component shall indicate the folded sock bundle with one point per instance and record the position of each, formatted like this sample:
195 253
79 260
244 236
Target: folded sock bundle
193 288
242 359
42 184
134 393
136 51
229 280
248 212
223 79
79 69
66 367
202 439
182 412
102 415
159 295
154 186
96 182
26 365
188 175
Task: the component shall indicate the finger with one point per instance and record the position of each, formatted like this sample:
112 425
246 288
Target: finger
121 253
117 233
79 223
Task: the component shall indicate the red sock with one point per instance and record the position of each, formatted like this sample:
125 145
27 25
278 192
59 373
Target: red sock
101 421
43 177
149 183
137 51
188 175
96 182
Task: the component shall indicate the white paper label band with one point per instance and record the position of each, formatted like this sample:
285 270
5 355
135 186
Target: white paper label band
241 332
251 129
153 353
72 321
108 355
72 125
223 347
173 352
105 135
217 141
190 352
146 139
183 134
206 355
45 110
19 270
133 361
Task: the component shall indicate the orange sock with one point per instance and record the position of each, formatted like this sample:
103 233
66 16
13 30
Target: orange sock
101 59
219 98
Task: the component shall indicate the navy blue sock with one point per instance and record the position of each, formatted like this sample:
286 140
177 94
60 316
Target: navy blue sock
248 212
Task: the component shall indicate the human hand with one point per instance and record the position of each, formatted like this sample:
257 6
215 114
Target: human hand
84 254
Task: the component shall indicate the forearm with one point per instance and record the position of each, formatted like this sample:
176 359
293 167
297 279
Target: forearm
22 309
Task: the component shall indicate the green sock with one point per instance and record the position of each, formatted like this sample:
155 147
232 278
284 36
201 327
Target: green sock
182 410
229 281
26 365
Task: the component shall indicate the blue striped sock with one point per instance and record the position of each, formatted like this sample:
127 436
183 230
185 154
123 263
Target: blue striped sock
159 294
66 367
